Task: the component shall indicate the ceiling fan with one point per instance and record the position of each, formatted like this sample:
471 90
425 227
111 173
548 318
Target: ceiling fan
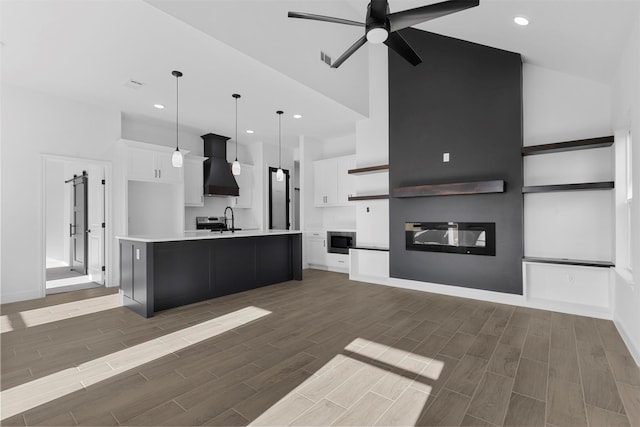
381 26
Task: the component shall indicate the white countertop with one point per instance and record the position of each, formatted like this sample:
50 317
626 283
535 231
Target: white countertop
205 234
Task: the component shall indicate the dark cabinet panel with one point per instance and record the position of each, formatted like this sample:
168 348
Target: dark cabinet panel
234 266
135 276
181 273
126 269
139 261
273 259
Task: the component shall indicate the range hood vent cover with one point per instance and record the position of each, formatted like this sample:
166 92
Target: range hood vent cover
218 179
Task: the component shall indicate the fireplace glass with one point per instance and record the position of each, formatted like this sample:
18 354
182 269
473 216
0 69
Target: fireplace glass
474 238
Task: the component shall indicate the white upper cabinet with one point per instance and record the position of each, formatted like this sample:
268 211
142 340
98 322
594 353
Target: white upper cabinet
332 183
150 162
193 180
245 184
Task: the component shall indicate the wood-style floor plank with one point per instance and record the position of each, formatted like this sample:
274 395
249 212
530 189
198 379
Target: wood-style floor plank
330 351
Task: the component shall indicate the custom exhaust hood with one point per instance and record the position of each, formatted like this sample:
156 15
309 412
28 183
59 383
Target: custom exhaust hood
218 179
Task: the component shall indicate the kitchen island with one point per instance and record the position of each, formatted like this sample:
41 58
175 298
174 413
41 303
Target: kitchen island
161 272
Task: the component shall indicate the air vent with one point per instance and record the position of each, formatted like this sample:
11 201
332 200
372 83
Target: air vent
325 58
133 84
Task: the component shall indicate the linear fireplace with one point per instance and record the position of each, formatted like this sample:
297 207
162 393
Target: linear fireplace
475 238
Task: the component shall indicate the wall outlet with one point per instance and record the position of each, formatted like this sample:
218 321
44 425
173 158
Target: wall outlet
445 157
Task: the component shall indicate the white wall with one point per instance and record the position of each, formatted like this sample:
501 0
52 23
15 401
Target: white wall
55 213
372 148
35 123
561 107
626 115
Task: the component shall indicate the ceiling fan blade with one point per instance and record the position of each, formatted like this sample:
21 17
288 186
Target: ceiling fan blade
313 17
357 45
407 18
402 48
379 9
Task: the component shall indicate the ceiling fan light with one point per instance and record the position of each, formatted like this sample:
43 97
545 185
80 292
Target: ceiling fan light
235 167
177 159
377 35
521 20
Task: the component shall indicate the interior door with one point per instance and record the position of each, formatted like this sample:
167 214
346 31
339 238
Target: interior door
78 226
96 222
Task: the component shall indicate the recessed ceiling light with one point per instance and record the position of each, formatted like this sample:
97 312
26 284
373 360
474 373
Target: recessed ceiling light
521 20
297 116
158 106
249 131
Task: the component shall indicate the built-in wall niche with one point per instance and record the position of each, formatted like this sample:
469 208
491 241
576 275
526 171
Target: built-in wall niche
569 208
573 225
569 225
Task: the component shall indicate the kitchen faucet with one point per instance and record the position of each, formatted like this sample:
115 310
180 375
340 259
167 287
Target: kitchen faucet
233 226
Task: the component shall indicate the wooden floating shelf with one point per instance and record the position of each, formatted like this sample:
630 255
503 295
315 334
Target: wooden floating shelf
567 261
605 185
458 188
371 197
368 170
370 248
558 147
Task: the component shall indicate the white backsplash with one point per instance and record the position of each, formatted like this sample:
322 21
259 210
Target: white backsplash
214 206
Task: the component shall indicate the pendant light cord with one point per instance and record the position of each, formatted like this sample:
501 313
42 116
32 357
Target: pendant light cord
237 127
279 140
177 107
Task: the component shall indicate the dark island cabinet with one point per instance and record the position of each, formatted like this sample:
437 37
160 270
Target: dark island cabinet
157 276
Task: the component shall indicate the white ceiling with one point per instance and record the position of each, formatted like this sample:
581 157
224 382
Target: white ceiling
87 50
579 37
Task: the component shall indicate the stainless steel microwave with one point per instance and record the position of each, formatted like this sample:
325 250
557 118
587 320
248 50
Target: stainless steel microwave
339 242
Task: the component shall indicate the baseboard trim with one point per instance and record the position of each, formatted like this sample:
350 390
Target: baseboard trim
327 268
577 309
635 352
21 296
484 295
458 291
369 279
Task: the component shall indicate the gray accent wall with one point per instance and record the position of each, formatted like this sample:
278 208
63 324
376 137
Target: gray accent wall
464 99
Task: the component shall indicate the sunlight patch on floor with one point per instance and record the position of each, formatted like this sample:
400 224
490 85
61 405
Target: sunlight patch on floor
348 384
68 281
54 313
53 263
29 395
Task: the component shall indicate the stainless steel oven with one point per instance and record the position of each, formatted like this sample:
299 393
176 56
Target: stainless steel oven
339 242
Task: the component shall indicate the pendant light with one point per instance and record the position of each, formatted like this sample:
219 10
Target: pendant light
279 172
176 159
235 167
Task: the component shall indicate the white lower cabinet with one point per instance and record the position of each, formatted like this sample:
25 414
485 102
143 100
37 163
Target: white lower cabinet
338 262
316 246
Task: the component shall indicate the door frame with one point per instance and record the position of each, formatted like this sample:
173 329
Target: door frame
273 170
108 214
